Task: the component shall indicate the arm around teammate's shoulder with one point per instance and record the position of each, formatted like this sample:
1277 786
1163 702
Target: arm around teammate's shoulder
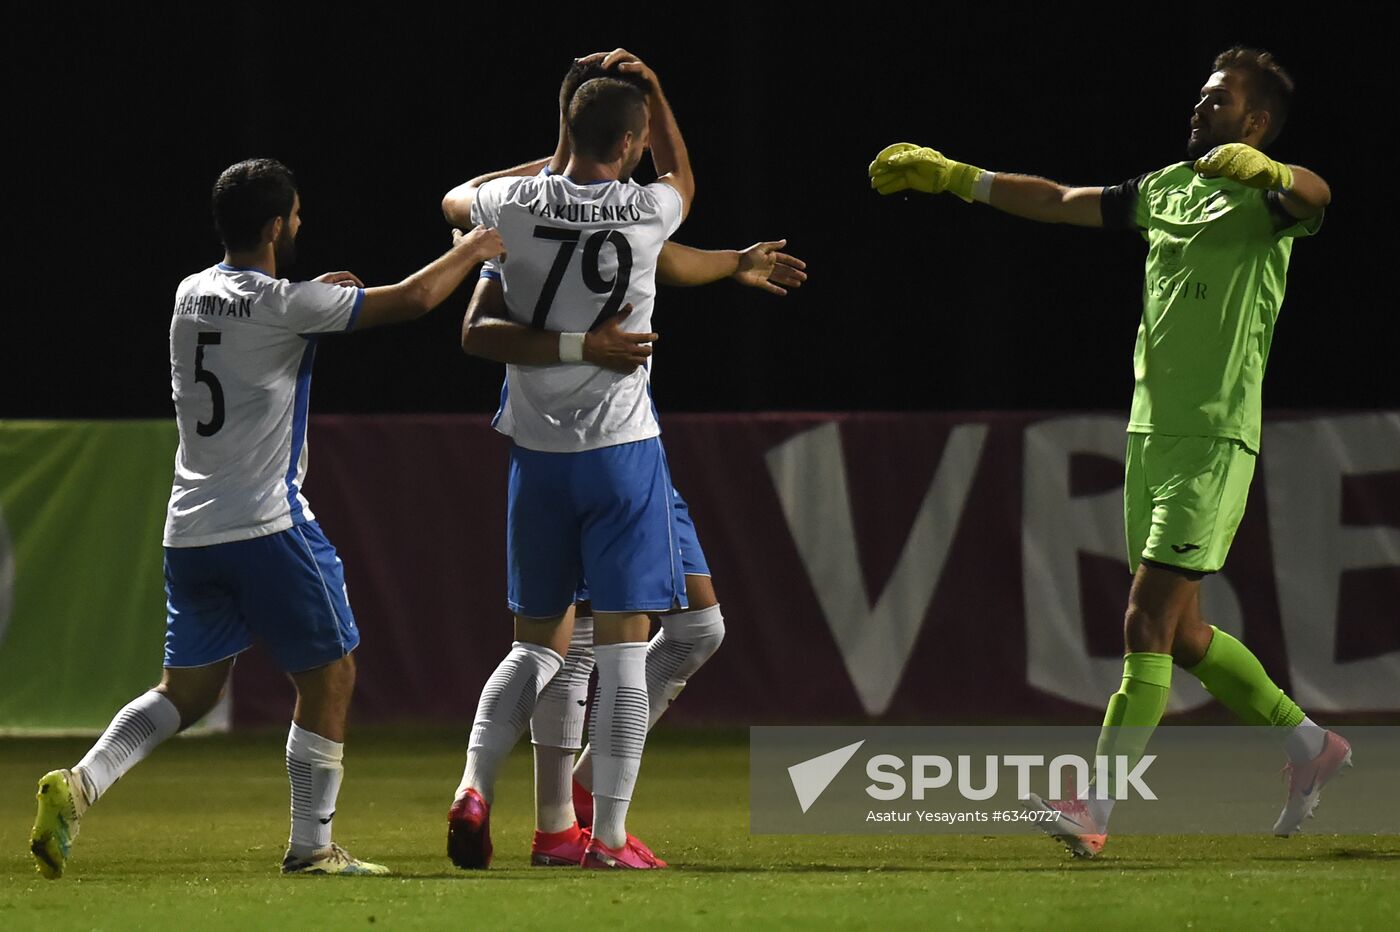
428 287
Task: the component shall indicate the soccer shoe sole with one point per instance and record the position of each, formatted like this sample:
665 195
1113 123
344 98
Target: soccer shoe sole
1071 840
540 859
1283 830
51 839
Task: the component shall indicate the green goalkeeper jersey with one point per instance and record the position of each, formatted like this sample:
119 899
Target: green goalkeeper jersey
1217 261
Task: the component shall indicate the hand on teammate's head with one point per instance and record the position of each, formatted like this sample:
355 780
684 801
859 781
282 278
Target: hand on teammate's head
621 63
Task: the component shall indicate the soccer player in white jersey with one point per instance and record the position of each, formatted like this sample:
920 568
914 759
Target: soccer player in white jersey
685 639
590 492
244 555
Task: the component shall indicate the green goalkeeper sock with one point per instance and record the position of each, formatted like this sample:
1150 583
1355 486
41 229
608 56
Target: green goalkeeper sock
1233 675
1133 712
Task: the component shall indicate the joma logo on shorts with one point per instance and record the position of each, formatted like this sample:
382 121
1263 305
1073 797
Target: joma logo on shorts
1183 548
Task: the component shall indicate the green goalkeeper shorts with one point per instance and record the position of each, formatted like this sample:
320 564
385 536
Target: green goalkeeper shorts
1183 498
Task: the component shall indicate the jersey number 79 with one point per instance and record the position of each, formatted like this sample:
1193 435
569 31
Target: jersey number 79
592 274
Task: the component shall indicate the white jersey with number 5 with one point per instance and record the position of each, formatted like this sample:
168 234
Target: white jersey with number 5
241 348
575 255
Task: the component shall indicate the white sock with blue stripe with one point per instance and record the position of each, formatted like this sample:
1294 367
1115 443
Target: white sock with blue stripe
507 700
556 730
135 731
315 770
619 733
686 640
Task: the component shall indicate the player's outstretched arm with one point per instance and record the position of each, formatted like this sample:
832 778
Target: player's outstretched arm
907 167
488 334
1302 193
759 266
457 203
428 287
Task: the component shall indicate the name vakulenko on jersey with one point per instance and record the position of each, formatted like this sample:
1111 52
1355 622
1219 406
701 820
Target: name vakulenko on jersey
585 213
207 305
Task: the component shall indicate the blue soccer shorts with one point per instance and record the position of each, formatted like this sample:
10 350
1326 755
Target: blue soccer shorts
287 589
693 562
605 515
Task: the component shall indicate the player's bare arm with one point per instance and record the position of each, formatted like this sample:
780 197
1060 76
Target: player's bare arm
1309 195
668 151
487 333
425 289
762 265
907 167
457 203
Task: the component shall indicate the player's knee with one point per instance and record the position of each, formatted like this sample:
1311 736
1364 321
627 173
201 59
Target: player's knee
192 699
700 631
1147 629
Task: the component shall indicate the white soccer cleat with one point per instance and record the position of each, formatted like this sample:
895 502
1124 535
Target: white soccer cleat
1074 826
332 859
1305 783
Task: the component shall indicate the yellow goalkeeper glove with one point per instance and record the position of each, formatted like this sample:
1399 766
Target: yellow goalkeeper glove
907 166
1245 164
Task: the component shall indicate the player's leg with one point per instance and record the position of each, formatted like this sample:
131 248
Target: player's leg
292 593
543 569
1235 677
556 732
203 633
1165 482
685 641
619 728
633 566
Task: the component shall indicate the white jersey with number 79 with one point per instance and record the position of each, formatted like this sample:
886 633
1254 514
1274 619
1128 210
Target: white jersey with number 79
575 255
241 348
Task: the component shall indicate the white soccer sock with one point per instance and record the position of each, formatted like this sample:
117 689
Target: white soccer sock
314 770
134 732
686 640
1305 741
619 734
503 712
556 730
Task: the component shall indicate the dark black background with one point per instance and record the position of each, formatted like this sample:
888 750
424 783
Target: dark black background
120 123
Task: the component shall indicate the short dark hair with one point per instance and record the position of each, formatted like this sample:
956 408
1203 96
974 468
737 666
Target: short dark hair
603 109
579 72
247 196
1267 86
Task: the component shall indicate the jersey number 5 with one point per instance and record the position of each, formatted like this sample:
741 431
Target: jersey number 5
216 391
616 289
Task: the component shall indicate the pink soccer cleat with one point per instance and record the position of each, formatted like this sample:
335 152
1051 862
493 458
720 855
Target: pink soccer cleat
583 805
469 831
632 856
1305 783
1075 827
559 849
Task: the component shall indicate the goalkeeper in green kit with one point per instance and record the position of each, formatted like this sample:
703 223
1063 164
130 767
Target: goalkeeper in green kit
1219 229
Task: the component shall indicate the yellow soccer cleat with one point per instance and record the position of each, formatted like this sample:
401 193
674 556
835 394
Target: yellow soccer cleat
332 859
61 805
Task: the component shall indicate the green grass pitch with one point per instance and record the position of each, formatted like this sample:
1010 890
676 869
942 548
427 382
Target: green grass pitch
192 839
